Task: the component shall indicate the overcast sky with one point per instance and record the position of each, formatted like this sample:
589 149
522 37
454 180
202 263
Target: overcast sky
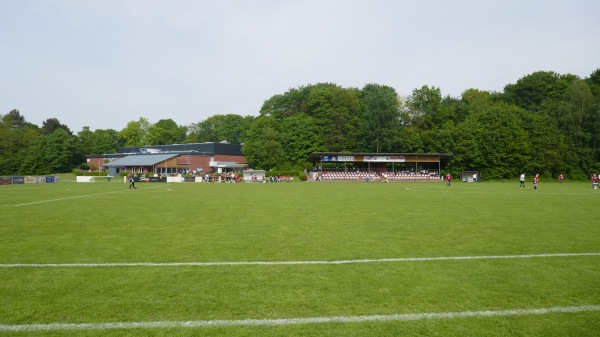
105 63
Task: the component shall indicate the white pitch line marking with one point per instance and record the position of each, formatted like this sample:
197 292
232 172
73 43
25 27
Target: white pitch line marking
293 321
249 263
73 197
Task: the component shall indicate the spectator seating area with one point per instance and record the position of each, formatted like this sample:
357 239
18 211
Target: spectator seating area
398 176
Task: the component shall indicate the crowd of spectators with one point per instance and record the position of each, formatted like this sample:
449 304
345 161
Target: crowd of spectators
225 177
381 175
270 179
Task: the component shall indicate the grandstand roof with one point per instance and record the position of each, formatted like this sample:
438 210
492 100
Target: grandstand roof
140 160
360 156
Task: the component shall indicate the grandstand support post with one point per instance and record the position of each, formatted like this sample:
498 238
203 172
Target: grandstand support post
416 169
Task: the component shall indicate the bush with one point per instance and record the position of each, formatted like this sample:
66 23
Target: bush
291 173
79 172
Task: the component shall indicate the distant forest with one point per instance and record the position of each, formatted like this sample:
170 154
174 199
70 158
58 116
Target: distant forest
545 123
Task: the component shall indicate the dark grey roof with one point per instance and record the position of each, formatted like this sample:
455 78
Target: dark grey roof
140 160
209 149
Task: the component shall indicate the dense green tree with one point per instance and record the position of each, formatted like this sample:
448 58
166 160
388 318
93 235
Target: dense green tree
136 133
13 119
231 128
576 116
299 139
380 117
52 124
165 131
536 91
547 146
99 141
55 153
593 82
16 136
337 113
408 140
424 106
453 109
492 142
433 118
467 155
476 100
263 147
84 137
292 102
576 111
441 140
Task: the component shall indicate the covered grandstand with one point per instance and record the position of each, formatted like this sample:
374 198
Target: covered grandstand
384 167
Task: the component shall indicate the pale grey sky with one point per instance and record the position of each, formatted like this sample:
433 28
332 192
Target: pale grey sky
105 63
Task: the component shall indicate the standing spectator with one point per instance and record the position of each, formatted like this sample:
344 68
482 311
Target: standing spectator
561 178
448 178
535 181
522 180
594 181
131 182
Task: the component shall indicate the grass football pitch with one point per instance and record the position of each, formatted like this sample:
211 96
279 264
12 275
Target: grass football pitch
299 259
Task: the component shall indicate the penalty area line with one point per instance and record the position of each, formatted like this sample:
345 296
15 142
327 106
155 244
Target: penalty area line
293 321
73 197
271 263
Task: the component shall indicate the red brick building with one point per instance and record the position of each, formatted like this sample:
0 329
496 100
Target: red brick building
171 159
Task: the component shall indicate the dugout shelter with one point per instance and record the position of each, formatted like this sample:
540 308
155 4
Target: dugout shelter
470 176
254 176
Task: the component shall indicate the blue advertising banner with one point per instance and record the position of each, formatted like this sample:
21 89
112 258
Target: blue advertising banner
28 180
337 158
385 159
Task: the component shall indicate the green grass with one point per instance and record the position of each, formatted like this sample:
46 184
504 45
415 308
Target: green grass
107 223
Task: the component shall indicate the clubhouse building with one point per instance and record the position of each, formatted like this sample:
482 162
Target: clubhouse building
172 159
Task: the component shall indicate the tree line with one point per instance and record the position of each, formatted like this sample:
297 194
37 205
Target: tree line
545 123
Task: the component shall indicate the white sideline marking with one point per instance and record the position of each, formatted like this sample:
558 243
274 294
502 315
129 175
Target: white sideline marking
73 197
292 321
244 263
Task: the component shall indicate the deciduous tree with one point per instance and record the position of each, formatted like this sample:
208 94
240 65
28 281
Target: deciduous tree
166 131
263 148
380 117
136 132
